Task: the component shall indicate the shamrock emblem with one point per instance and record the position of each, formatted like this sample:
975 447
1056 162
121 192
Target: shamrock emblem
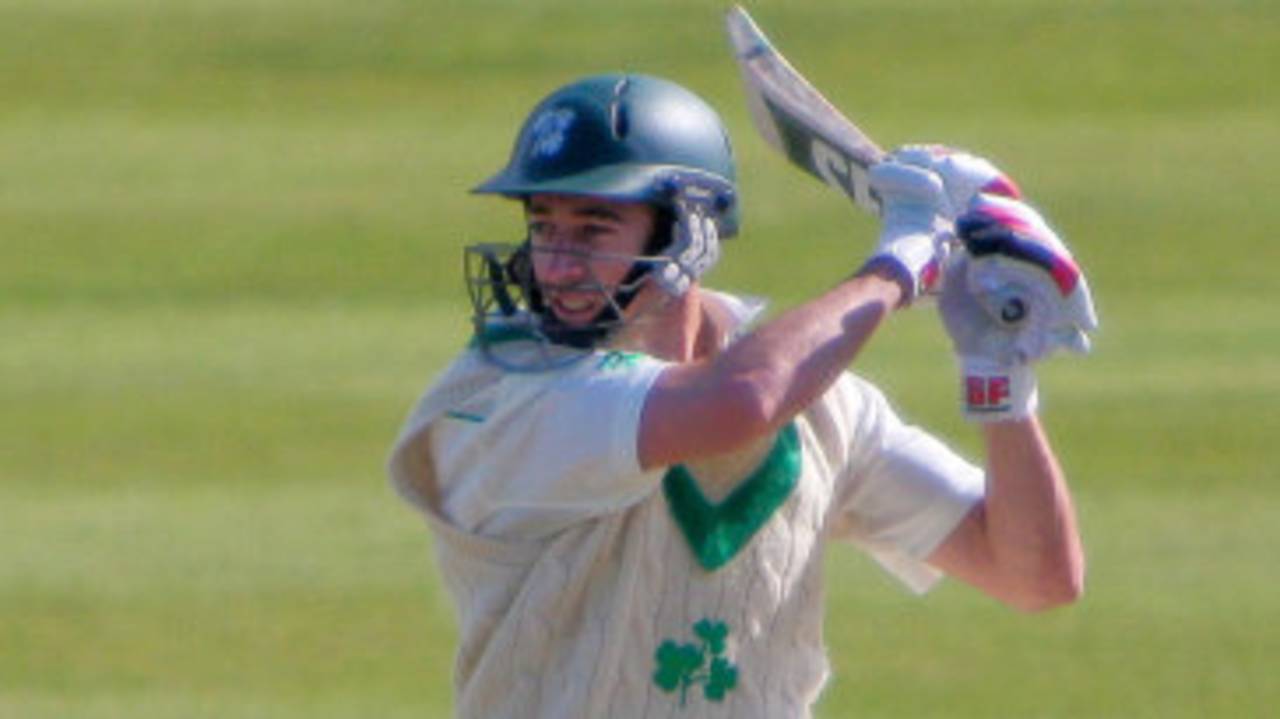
681 666
547 134
619 360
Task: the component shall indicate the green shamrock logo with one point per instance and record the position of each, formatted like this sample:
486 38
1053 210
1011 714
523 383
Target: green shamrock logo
619 360
681 666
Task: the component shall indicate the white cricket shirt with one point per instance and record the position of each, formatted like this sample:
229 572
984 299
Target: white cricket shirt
586 587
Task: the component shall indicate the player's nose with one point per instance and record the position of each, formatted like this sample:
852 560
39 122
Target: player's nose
562 266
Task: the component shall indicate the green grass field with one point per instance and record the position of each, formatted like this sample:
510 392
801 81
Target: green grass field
229 260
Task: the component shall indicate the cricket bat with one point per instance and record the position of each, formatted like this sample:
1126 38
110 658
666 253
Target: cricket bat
797 120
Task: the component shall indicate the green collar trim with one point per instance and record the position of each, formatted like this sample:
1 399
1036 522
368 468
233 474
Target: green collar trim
492 334
717 532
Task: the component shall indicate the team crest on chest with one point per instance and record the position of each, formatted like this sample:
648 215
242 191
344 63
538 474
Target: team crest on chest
547 134
681 666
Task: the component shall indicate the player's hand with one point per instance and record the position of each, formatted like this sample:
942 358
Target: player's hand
914 225
1012 297
1026 279
964 175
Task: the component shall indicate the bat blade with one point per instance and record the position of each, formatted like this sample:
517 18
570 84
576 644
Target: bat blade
797 120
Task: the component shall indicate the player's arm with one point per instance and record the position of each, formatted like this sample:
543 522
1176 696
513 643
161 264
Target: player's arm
712 406
751 389
1020 544
1012 297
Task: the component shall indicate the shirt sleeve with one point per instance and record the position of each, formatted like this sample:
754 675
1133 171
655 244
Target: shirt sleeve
554 449
903 491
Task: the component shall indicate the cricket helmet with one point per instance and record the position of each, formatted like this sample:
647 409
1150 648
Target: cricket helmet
621 137
627 137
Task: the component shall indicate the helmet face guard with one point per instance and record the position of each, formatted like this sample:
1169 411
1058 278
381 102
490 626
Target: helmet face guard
516 329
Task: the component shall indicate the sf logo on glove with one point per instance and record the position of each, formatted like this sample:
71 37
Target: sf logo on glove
987 393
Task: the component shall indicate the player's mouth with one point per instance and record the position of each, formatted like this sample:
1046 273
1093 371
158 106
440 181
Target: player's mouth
575 308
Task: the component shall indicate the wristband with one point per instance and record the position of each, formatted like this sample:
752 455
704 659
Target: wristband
912 262
995 392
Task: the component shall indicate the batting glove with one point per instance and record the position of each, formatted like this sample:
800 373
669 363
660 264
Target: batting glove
914 229
1013 296
964 175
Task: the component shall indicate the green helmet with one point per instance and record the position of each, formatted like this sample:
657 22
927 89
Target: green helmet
624 137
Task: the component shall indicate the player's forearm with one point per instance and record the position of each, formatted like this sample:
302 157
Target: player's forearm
763 380
789 362
1030 518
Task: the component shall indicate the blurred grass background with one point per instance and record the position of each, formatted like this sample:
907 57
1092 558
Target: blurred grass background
229 260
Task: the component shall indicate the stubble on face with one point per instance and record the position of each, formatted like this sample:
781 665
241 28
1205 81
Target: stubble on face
583 249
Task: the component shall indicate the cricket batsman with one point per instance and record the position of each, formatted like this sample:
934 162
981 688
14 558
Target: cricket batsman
631 479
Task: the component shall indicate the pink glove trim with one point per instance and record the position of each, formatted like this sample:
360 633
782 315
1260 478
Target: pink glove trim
1003 185
1065 272
991 228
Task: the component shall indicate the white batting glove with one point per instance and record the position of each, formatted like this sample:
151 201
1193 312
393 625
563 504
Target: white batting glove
1011 298
914 228
964 175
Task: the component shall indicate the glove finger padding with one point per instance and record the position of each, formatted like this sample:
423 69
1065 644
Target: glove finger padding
1025 277
964 175
1030 306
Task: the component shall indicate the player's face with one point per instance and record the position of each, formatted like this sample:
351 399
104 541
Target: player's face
582 248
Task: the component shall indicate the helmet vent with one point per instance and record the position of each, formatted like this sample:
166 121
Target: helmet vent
619 119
